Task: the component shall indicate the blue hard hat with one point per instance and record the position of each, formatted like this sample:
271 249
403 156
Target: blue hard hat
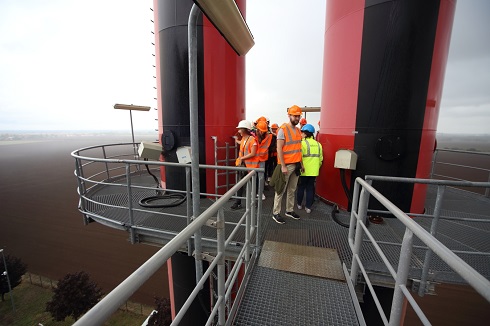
308 127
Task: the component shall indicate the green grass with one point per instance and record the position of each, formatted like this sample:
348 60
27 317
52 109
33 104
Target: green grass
30 305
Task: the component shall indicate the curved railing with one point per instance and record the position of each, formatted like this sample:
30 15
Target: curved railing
459 165
113 170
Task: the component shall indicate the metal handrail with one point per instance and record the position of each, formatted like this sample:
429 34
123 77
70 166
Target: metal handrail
248 224
109 304
436 162
362 192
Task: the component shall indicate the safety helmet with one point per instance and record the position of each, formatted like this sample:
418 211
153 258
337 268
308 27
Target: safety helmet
275 126
308 127
294 110
303 121
244 124
261 119
262 126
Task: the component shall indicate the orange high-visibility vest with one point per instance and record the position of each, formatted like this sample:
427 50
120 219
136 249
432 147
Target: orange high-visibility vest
263 149
245 149
292 144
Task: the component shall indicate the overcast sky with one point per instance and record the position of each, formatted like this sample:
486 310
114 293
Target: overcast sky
65 63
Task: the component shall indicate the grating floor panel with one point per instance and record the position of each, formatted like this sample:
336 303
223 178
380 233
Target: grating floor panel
276 297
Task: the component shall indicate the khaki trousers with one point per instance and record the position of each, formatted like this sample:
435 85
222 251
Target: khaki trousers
290 188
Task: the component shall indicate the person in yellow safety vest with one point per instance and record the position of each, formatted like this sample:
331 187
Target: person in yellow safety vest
264 140
289 161
312 160
246 155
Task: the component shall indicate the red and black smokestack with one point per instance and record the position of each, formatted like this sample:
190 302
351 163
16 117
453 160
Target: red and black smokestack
384 65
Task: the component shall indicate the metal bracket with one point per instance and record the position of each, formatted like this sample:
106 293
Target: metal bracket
215 224
204 256
430 287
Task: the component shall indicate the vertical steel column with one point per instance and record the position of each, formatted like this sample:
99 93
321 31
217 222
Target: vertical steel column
433 232
220 236
132 236
193 117
401 278
361 218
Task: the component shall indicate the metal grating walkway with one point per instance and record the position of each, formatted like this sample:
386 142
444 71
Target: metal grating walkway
276 297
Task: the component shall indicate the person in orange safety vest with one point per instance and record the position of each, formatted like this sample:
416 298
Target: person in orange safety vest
246 156
264 139
289 160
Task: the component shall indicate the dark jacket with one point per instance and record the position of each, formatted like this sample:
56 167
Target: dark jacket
278 180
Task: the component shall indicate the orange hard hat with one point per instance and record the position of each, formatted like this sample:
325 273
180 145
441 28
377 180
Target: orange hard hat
262 126
318 122
275 126
303 121
294 110
262 119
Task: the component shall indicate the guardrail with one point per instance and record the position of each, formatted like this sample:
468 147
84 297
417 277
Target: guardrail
362 192
110 176
460 172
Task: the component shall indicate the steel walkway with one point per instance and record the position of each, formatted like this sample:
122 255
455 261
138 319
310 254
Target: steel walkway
281 296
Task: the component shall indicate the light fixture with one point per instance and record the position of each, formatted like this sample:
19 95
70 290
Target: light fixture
228 20
132 108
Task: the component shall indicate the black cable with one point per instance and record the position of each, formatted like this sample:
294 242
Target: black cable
349 198
161 195
147 202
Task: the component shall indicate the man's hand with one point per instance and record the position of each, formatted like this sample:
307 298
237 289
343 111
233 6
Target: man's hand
284 169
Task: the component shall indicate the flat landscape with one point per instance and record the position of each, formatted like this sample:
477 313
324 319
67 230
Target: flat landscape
40 222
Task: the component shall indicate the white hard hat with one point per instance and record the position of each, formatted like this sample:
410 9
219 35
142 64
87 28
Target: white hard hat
245 124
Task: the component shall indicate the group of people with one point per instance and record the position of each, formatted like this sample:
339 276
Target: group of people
290 156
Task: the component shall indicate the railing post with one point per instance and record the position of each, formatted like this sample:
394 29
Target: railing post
106 165
433 232
249 203
227 158
487 190
354 209
361 218
189 205
220 236
215 144
132 235
433 166
401 278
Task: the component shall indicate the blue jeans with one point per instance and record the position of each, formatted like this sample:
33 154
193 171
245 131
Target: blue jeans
306 184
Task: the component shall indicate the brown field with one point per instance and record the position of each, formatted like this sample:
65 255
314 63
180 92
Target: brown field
40 223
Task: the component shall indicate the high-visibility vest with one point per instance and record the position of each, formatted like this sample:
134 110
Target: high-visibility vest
312 157
292 144
245 149
263 149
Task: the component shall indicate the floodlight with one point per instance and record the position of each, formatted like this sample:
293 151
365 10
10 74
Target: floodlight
228 20
131 107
